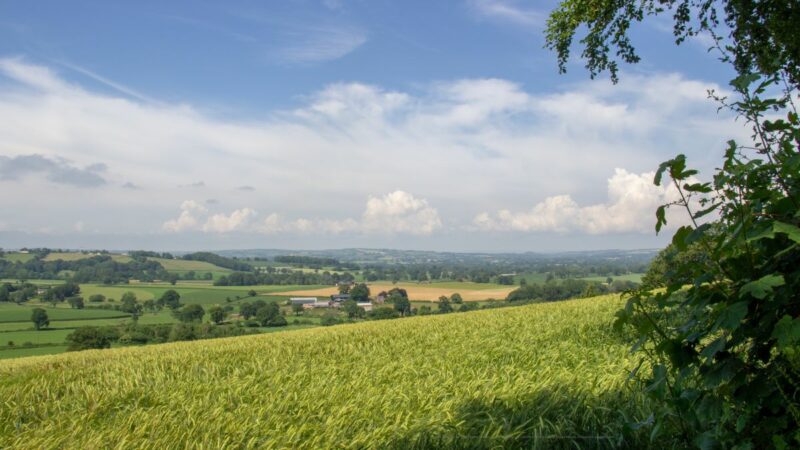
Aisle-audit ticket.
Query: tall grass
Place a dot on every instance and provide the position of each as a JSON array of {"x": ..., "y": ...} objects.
[{"x": 540, "y": 376}]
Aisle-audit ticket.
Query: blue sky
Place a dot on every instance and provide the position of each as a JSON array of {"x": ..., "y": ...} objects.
[{"x": 325, "y": 124}]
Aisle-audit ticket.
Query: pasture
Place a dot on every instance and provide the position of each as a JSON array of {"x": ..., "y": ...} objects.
[
  {"x": 541, "y": 376},
  {"x": 76, "y": 256}
]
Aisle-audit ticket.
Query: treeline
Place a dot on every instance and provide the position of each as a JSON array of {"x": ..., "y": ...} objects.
[
  {"x": 101, "y": 268},
  {"x": 295, "y": 277},
  {"x": 221, "y": 261},
  {"x": 566, "y": 289},
  {"x": 310, "y": 261}
]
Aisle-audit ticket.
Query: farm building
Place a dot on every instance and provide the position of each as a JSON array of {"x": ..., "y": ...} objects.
[
  {"x": 339, "y": 298},
  {"x": 302, "y": 300},
  {"x": 366, "y": 305}
]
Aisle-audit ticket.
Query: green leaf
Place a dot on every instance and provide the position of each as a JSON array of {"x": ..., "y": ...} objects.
[
  {"x": 715, "y": 346},
  {"x": 679, "y": 239},
  {"x": 661, "y": 218},
  {"x": 732, "y": 315},
  {"x": 762, "y": 287},
  {"x": 787, "y": 331},
  {"x": 789, "y": 230}
]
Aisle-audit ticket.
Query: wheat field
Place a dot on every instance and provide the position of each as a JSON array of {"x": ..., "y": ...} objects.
[{"x": 538, "y": 376}]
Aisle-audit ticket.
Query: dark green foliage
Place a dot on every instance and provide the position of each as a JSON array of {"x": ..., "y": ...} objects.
[
  {"x": 329, "y": 319},
  {"x": 456, "y": 298},
  {"x": 76, "y": 302},
  {"x": 87, "y": 338},
  {"x": 444, "y": 305},
  {"x": 763, "y": 33},
  {"x": 353, "y": 311},
  {"x": 101, "y": 269},
  {"x": 39, "y": 318},
  {"x": 382, "y": 313},
  {"x": 277, "y": 321},
  {"x": 217, "y": 314},
  {"x": 97, "y": 298},
  {"x": 170, "y": 299},
  {"x": 401, "y": 303},
  {"x": 190, "y": 313},
  {"x": 468, "y": 307},
  {"x": 723, "y": 336},
  {"x": 267, "y": 312},
  {"x": 360, "y": 293}
]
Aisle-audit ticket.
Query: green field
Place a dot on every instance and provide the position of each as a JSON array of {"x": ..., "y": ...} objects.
[
  {"x": 75, "y": 256},
  {"x": 32, "y": 351},
  {"x": 18, "y": 257},
  {"x": 635, "y": 277},
  {"x": 183, "y": 266},
  {"x": 10, "y": 312},
  {"x": 548, "y": 375}
]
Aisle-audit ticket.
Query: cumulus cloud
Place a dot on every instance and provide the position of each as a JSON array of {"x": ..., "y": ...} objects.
[
  {"x": 632, "y": 201},
  {"x": 237, "y": 220},
  {"x": 188, "y": 219},
  {"x": 55, "y": 169},
  {"x": 397, "y": 212}
]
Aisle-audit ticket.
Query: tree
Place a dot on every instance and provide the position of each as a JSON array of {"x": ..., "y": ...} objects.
[
  {"x": 343, "y": 288},
  {"x": 297, "y": 308},
  {"x": 720, "y": 351},
  {"x": 456, "y": 298},
  {"x": 277, "y": 321},
  {"x": 444, "y": 305},
  {"x": 130, "y": 305},
  {"x": 75, "y": 302},
  {"x": 39, "y": 318},
  {"x": 424, "y": 310},
  {"x": 401, "y": 304},
  {"x": 170, "y": 299},
  {"x": 86, "y": 338},
  {"x": 352, "y": 309},
  {"x": 247, "y": 310},
  {"x": 267, "y": 312},
  {"x": 360, "y": 293},
  {"x": 217, "y": 314},
  {"x": 97, "y": 298},
  {"x": 252, "y": 293},
  {"x": 190, "y": 313}
]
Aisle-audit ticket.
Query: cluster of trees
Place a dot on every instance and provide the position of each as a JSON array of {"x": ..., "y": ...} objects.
[
  {"x": 564, "y": 289},
  {"x": 99, "y": 268},
  {"x": 17, "y": 292},
  {"x": 91, "y": 337},
  {"x": 263, "y": 313},
  {"x": 285, "y": 277},
  {"x": 310, "y": 261}
]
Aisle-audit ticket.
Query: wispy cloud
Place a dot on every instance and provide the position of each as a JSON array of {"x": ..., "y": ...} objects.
[
  {"x": 508, "y": 11},
  {"x": 308, "y": 45},
  {"x": 108, "y": 82}
]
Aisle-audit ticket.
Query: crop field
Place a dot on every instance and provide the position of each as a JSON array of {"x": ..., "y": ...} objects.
[
  {"x": 18, "y": 257},
  {"x": 75, "y": 256},
  {"x": 10, "y": 312},
  {"x": 547, "y": 375},
  {"x": 182, "y": 266},
  {"x": 424, "y": 292}
]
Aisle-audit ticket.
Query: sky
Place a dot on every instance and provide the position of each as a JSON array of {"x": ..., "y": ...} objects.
[{"x": 317, "y": 124}]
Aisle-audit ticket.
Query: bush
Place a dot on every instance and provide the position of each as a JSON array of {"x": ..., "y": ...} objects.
[{"x": 277, "y": 321}]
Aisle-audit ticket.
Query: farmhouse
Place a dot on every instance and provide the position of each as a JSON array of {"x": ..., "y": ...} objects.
[{"x": 366, "y": 305}]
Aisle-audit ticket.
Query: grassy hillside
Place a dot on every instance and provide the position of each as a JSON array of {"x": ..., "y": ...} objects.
[
  {"x": 183, "y": 266},
  {"x": 547, "y": 375}
]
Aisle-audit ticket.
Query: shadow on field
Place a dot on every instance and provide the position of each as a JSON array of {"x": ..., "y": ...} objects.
[{"x": 549, "y": 419}]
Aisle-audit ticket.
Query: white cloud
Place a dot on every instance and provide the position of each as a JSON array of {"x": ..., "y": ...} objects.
[
  {"x": 465, "y": 146},
  {"x": 308, "y": 45},
  {"x": 396, "y": 212},
  {"x": 630, "y": 207},
  {"x": 187, "y": 220},
  {"x": 237, "y": 220},
  {"x": 508, "y": 11}
]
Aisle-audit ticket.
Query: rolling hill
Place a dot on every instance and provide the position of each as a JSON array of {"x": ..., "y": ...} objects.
[{"x": 547, "y": 375}]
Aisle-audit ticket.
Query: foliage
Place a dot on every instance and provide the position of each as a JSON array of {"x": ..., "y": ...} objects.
[
  {"x": 266, "y": 313},
  {"x": 190, "y": 313},
  {"x": 86, "y": 338},
  {"x": 170, "y": 299},
  {"x": 217, "y": 260},
  {"x": 360, "y": 293},
  {"x": 466, "y": 382},
  {"x": 217, "y": 314},
  {"x": 39, "y": 318},
  {"x": 763, "y": 33}
]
